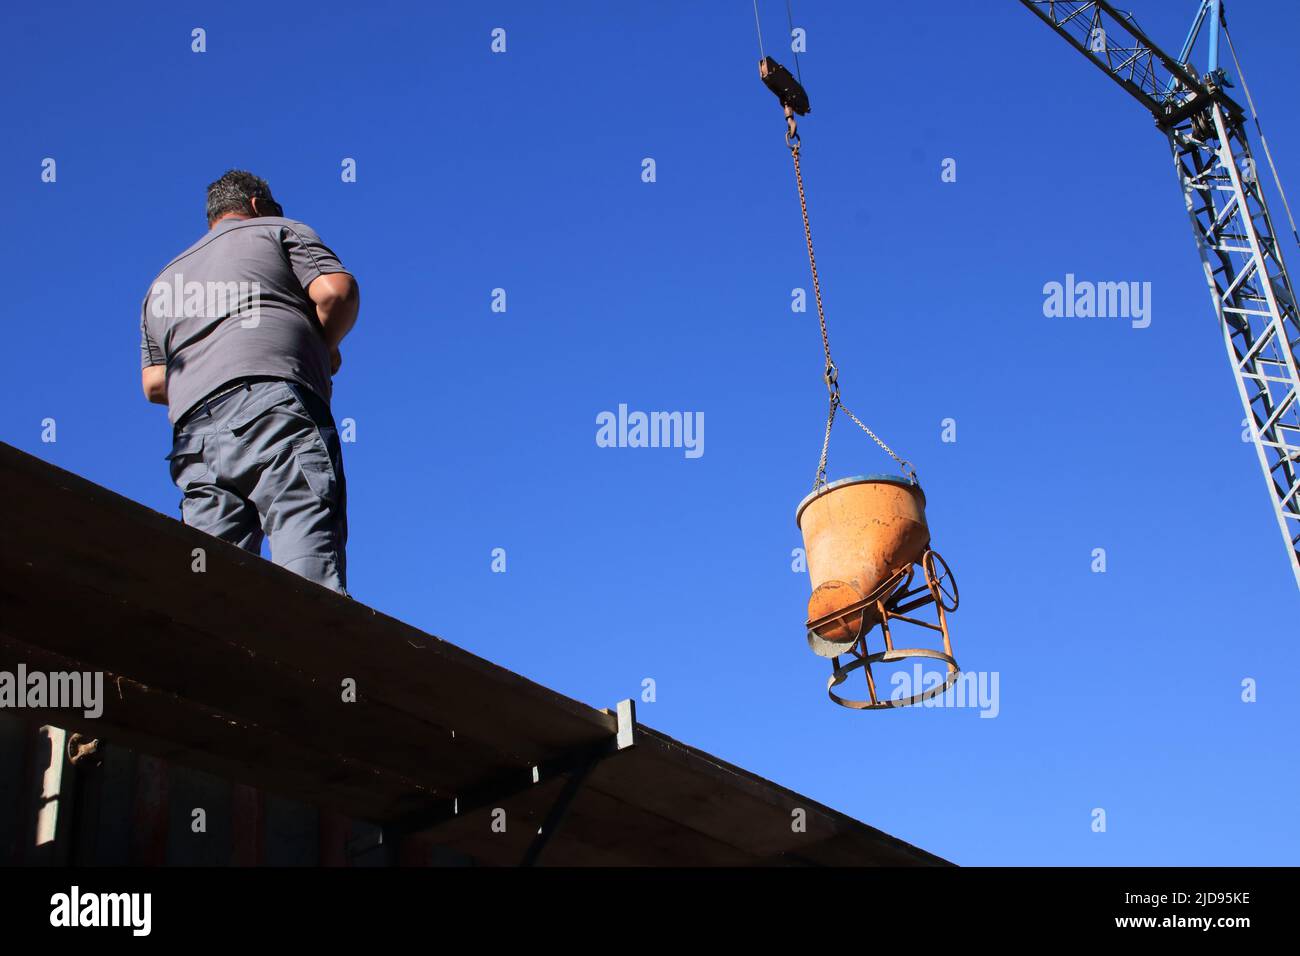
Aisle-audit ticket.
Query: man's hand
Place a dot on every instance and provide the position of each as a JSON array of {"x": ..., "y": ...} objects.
[
  {"x": 153, "y": 379},
  {"x": 337, "y": 300},
  {"x": 336, "y": 361}
]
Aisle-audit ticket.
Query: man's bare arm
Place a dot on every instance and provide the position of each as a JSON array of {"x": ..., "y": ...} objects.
[
  {"x": 337, "y": 299},
  {"x": 153, "y": 379}
]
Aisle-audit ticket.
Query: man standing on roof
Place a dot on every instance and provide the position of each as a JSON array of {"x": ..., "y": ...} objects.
[{"x": 239, "y": 338}]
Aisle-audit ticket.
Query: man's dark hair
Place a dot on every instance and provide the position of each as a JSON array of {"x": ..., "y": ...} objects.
[{"x": 234, "y": 192}]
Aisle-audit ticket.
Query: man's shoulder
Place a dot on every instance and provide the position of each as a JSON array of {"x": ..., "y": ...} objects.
[
  {"x": 277, "y": 225},
  {"x": 166, "y": 273},
  {"x": 210, "y": 241},
  {"x": 194, "y": 247},
  {"x": 282, "y": 222}
]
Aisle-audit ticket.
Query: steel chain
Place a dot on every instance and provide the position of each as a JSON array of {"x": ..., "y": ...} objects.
[{"x": 831, "y": 374}]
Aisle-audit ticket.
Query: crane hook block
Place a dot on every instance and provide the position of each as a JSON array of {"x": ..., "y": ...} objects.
[{"x": 781, "y": 82}]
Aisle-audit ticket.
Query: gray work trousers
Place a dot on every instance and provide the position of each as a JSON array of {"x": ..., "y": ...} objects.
[{"x": 265, "y": 459}]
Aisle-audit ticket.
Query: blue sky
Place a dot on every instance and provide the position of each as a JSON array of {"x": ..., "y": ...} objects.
[{"x": 476, "y": 430}]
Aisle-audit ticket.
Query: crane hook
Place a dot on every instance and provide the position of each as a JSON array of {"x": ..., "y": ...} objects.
[{"x": 793, "y": 97}]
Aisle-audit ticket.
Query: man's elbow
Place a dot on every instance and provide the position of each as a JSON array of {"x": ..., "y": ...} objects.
[
  {"x": 338, "y": 299},
  {"x": 153, "y": 382},
  {"x": 335, "y": 291}
]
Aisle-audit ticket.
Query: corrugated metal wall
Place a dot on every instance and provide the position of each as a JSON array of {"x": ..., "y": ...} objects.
[{"x": 118, "y": 807}]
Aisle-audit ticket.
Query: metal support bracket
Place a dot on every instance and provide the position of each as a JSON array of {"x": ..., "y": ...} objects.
[
  {"x": 576, "y": 765},
  {"x": 625, "y": 737}
]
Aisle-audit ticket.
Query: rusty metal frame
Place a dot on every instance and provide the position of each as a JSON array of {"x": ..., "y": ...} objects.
[{"x": 893, "y": 600}]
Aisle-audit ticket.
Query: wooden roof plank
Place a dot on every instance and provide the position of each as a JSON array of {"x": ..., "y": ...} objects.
[
  {"x": 727, "y": 802},
  {"x": 157, "y": 722},
  {"x": 274, "y": 613},
  {"x": 159, "y": 652}
]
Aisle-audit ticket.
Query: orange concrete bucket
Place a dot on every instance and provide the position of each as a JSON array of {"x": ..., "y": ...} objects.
[{"x": 859, "y": 534}]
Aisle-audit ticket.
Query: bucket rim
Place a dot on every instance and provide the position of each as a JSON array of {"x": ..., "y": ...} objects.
[{"x": 855, "y": 480}]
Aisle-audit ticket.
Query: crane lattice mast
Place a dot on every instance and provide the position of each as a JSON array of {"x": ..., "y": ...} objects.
[{"x": 1249, "y": 285}]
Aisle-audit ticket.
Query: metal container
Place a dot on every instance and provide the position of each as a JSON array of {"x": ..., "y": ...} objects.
[{"x": 858, "y": 534}]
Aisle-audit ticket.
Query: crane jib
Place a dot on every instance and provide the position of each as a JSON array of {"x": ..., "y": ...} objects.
[{"x": 1115, "y": 44}]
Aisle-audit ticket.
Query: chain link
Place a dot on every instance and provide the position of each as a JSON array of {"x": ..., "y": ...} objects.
[
  {"x": 812, "y": 256},
  {"x": 826, "y": 445},
  {"x": 903, "y": 463},
  {"x": 831, "y": 374}
]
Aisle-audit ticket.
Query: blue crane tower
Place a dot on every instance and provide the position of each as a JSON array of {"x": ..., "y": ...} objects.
[{"x": 1252, "y": 293}]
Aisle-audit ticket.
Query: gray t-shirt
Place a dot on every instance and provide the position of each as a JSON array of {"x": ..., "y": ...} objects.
[{"x": 234, "y": 304}]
